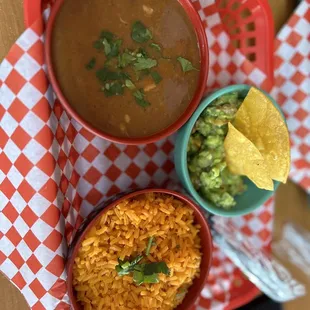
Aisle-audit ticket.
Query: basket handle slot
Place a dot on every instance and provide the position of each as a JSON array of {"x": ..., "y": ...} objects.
[{"x": 250, "y": 26}]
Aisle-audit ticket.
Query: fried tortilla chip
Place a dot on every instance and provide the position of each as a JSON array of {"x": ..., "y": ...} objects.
[
  {"x": 243, "y": 158},
  {"x": 262, "y": 123}
]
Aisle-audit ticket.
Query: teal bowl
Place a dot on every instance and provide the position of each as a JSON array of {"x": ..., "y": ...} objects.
[{"x": 248, "y": 201}]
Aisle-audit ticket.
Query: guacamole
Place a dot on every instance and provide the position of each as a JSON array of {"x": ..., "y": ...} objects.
[{"x": 206, "y": 156}]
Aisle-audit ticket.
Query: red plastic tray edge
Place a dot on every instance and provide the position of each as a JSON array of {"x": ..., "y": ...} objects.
[{"x": 243, "y": 299}]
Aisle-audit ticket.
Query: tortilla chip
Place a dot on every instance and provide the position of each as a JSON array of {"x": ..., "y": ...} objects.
[
  {"x": 243, "y": 158},
  {"x": 261, "y": 122}
]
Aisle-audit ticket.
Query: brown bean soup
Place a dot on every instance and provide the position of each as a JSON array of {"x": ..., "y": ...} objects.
[{"x": 128, "y": 67}]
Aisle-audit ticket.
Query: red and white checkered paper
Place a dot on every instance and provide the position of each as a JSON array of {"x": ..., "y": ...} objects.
[
  {"x": 53, "y": 171},
  {"x": 292, "y": 88}
]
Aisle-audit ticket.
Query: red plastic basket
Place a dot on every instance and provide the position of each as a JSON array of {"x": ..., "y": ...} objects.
[{"x": 250, "y": 26}]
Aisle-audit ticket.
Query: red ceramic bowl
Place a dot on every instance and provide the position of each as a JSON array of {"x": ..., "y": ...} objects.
[
  {"x": 204, "y": 56},
  {"x": 205, "y": 235}
]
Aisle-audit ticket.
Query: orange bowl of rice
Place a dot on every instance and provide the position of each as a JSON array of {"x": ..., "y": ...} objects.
[{"x": 149, "y": 249}]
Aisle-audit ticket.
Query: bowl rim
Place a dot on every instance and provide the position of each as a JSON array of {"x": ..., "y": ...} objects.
[
  {"x": 80, "y": 237},
  {"x": 208, "y": 206},
  {"x": 200, "y": 90}
]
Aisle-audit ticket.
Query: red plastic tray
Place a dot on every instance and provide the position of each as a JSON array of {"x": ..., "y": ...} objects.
[
  {"x": 246, "y": 22},
  {"x": 260, "y": 53}
]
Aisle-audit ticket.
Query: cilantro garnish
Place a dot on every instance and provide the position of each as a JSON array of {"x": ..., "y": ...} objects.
[
  {"x": 125, "y": 59},
  {"x": 145, "y": 63},
  {"x": 149, "y": 245},
  {"x": 105, "y": 74},
  {"x": 108, "y": 44},
  {"x": 140, "y": 33},
  {"x": 113, "y": 77},
  {"x": 130, "y": 85},
  {"x": 156, "y": 77},
  {"x": 97, "y": 45},
  {"x": 144, "y": 272},
  {"x": 186, "y": 64},
  {"x": 139, "y": 96},
  {"x": 113, "y": 89},
  {"x": 155, "y": 46},
  {"x": 109, "y": 36},
  {"x": 91, "y": 64},
  {"x": 115, "y": 46},
  {"x": 107, "y": 47}
]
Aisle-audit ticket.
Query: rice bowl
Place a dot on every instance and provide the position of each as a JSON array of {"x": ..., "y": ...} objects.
[{"x": 161, "y": 230}]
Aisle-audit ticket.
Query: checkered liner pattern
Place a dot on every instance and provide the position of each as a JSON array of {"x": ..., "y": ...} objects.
[
  {"x": 53, "y": 171},
  {"x": 292, "y": 88}
]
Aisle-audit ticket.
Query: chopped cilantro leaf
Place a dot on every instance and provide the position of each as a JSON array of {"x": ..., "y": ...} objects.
[
  {"x": 125, "y": 59},
  {"x": 109, "y": 36},
  {"x": 149, "y": 245},
  {"x": 145, "y": 63},
  {"x": 136, "y": 260},
  {"x": 121, "y": 271},
  {"x": 142, "y": 52},
  {"x": 142, "y": 273},
  {"x": 156, "y": 77},
  {"x": 155, "y": 46},
  {"x": 125, "y": 267},
  {"x": 108, "y": 63},
  {"x": 114, "y": 89},
  {"x": 115, "y": 46},
  {"x": 152, "y": 268},
  {"x": 139, "y": 96},
  {"x": 130, "y": 85},
  {"x": 152, "y": 278},
  {"x": 91, "y": 64},
  {"x": 106, "y": 75},
  {"x": 107, "y": 47},
  {"x": 98, "y": 45},
  {"x": 140, "y": 33},
  {"x": 138, "y": 277},
  {"x": 186, "y": 64},
  {"x": 106, "y": 42}
]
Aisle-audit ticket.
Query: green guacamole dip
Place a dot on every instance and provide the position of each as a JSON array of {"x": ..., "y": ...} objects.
[{"x": 206, "y": 156}]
